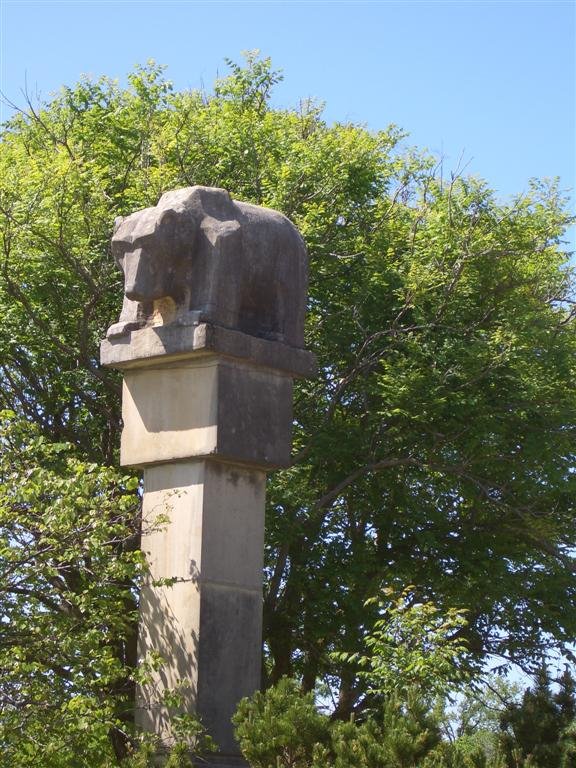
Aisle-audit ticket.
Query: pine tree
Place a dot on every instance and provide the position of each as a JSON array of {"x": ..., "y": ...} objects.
[{"x": 539, "y": 732}]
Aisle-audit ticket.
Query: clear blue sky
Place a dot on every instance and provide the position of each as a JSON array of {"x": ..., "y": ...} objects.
[{"x": 492, "y": 81}]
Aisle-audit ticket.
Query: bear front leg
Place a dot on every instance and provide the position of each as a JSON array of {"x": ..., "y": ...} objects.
[{"x": 132, "y": 317}]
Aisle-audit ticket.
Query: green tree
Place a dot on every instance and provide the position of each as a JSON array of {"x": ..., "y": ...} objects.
[
  {"x": 538, "y": 732},
  {"x": 282, "y": 728},
  {"x": 69, "y": 562},
  {"x": 411, "y": 646},
  {"x": 436, "y": 446}
]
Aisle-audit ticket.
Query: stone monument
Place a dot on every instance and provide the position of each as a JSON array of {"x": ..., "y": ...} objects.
[{"x": 209, "y": 340}]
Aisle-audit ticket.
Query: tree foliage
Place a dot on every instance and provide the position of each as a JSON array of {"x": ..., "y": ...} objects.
[
  {"x": 538, "y": 732},
  {"x": 69, "y": 557},
  {"x": 411, "y": 646},
  {"x": 282, "y": 728},
  {"x": 436, "y": 446}
]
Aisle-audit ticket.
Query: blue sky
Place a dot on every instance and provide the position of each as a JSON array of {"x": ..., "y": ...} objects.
[{"x": 491, "y": 82}]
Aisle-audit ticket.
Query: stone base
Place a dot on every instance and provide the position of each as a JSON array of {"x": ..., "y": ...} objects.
[
  {"x": 207, "y": 412},
  {"x": 203, "y": 530},
  {"x": 205, "y": 391},
  {"x": 206, "y": 406},
  {"x": 163, "y": 344}
]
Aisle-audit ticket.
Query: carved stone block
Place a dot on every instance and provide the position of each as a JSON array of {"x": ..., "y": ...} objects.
[{"x": 199, "y": 256}]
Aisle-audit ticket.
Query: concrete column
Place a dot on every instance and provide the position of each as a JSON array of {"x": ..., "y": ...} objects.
[
  {"x": 208, "y": 624},
  {"x": 207, "y": 412}
]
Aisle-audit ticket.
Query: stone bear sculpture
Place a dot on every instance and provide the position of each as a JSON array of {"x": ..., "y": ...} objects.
[{"x": 199, "y": 256}]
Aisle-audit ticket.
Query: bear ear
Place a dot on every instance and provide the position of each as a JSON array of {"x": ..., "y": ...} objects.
[{"x": 117, "y": 222}]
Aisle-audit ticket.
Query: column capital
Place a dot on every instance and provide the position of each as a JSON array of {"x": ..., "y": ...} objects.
[
  {"x": 205, "y": 392},
  {"x": 175, "y": 342}
]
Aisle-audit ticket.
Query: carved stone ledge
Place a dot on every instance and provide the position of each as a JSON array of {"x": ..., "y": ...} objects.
[{"x": 163, "y": 344}]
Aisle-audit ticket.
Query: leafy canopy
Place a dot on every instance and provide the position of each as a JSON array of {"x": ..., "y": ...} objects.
[
  {"x": 68, "y": 534},
  {"x": 435, "y": 448}
]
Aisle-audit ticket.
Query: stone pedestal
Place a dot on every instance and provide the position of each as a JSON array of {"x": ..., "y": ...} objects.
[
  {"x": 207, "y": 625},
  {"x": 207, "y": 412}
]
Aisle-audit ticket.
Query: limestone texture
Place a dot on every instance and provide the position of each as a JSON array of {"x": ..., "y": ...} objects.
[
  {"x": 200, "y": 256},
  {"x": 209, "y": 341},
  {"x": 203, "y": 529}
]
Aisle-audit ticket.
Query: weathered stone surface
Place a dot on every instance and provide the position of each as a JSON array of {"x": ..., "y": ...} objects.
[
  {"x": 200, "y": 255},
  {"x": 229, "y": 656},
  {"x": 206, "y": 406},
  {"x": 167, "y": 343},
  {"x": 209, "y": 340},
  {"x": 203, "y": 525}
]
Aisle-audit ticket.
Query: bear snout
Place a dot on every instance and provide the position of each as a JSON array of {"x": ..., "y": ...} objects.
[{"x": 142, "y": 278}]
